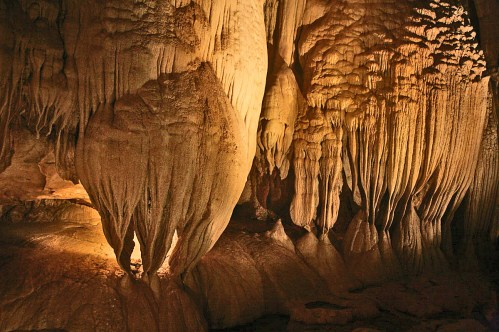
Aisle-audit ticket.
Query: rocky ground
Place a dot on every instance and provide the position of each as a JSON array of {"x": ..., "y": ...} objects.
[{"x": 59, "y": 274}]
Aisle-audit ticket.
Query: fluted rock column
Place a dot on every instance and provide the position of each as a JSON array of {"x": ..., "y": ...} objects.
[{"x": 171, "y": 154}]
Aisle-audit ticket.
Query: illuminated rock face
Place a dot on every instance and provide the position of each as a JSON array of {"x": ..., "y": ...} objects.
[
  {"x": 374, "y": 125},
  {"x": 164, "y": 98},
  {"x": 396, "y": 104}
]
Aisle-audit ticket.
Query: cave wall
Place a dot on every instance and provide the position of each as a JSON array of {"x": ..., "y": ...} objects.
[
  {"x": 481, "y": 225},
  {"x": 152, "y": 105},
  {"x": 373, "y": 122},
  {"x": 394, "y": 110},
  {"x": 365, "y": 131}
]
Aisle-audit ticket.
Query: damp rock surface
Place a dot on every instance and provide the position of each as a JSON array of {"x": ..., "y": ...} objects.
[
  {"x": 246, "y": 276},
  {"x": 184, "y": 165}
]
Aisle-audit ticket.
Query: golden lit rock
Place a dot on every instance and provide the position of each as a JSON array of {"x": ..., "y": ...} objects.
[{"x": 187, "y": 165}]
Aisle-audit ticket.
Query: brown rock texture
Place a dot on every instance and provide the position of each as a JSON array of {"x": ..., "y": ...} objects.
[
  {"x": 362, "y": 135},
  {"x": 164, "y": 99},
  {"x": 70, "y": 281},
  {"x": 397, "y": 98}
]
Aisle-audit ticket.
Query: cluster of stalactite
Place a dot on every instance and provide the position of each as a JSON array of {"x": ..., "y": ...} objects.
[
  {"x": 480, "y": 224},
  {"x": 35, "y": 89},
  {"x": 378, "y": 107},
  {"x": 153, "y": 105},
  {"x": 395, "y": 107}
]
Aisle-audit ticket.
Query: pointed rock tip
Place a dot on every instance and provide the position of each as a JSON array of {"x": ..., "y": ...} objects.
[{"x": 279, "y": 234}]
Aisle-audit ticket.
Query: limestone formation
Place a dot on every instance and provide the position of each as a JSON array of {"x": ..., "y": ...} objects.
[
  {"x": 397, "y": 102},
  {"x": 180, "y": 165},
  {"x": 164, "y": 98}
]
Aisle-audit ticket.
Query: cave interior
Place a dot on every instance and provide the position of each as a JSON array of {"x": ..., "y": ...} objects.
[{"x": 249, "y": 165}]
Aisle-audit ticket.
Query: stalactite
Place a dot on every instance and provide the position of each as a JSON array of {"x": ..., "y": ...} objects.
[
  {"x": 163, "y": 99},
  {"x": 188, "y": 173},
  {"x": 307, "y": 153},
  {"x": 403, "y": 82},
  {"x": 330, "y": 180},
  {"x": 480, "y": 228},
  {"x": 282, "y": 105}
]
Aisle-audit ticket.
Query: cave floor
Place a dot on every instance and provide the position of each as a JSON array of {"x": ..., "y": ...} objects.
[
  {"x": 447, "y": 321},
  {"x": 63, "y": 276}
]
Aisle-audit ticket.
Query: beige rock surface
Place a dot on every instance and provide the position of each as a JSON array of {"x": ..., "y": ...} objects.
[
  {"x": 397, "y": 100},
  {"x": 374, "y": 126},
  {"x": 164, "y": 98}
]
